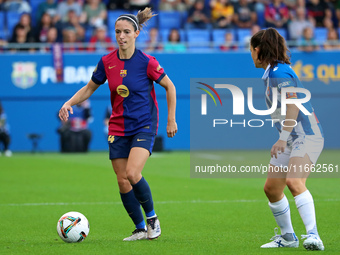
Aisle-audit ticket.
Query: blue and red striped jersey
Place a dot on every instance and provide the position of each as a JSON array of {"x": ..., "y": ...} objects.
[{"x": 133, "y": 97}]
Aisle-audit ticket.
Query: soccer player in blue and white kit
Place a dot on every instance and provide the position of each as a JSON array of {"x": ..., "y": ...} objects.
[
  {"x": 134, "y": 120},
  {"x": 298, "y": 147}
]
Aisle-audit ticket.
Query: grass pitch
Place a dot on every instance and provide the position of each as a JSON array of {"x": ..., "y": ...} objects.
[{"x": 198, "y": 216}]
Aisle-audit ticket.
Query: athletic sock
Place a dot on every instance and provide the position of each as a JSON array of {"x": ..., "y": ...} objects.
[
  {"x": 143, "y": 194},
  {"x": 305, "y": 204},
  {"x": 281, "y": 212},
  {"x": 132, "y": 207}
]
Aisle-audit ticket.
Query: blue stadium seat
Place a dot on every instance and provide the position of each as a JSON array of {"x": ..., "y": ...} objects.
[
  {"x": 88, "y": 34},
  {"x": 34, "y": 5},
  {"x": 169, "y": 19},
  {"x": 218, "y": 36},
  {"x": 242, "y": 35},
  {"x": 282, "y": 32},
  {"x": 112, "y": 16},
  {"x": 165, "y": 35},
  {"x": 198, "y": 38},
  {"x": 3, "y": 31},
  {"x": 12, "y": 18},
  {"x": 320, "y": 34}
]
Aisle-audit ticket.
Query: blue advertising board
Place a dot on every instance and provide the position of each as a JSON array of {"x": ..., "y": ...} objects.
[{"x": 32, "y": 98}]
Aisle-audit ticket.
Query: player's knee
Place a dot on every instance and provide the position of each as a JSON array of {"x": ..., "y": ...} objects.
[
  {"x": 270, "y": 190},
  {"x": 295, "y": 185},
  {"x": 132, "y": 176},
  {"x": 123, "y": 183}
]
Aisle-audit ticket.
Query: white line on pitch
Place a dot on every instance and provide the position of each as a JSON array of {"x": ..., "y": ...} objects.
[{"x": 157, "y": 202}]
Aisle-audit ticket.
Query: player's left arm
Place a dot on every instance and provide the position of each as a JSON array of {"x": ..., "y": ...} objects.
[{"x": 170, "y": 89}]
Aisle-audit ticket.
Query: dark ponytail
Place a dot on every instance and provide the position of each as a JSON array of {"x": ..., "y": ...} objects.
[{"x": 272, "y": 46}]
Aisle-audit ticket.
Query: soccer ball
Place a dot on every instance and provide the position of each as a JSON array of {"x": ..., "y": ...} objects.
[{"x": 73, "y": 227}]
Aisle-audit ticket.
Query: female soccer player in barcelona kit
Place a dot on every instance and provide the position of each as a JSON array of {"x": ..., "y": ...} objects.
[
  {"x": 134, "y": 120},
  {"x": 299, "y": 146}
]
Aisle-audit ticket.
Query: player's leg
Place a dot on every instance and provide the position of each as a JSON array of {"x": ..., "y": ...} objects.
[
  {"x": 296, "y": 182},
  {"x": 137, "y": 159},
  {"x": 279, "y": 205},
  {"x": 129, "y": 200},
  {"x": 278, "y": 202}
]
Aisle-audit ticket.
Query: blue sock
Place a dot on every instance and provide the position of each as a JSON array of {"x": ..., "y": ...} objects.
[
  {"x": 143, "y": 194},
  {"x": 132, "y": 207}
]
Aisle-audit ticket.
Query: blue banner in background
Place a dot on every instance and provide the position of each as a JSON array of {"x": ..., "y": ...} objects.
[{"x": 32, "y": 97}]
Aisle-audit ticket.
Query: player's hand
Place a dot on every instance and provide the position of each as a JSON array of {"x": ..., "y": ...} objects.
[
  {"x": 171, "y": 128},
  {"x": 278, "y": 147},
  {"x": 63, "y": 112}
]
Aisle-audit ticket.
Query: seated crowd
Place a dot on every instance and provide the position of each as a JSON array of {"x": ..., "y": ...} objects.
[{"x": 75, "y": 22}]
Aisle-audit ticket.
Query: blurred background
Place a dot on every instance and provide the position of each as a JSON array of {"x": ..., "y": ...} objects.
[{"x": 49, "y": 49}]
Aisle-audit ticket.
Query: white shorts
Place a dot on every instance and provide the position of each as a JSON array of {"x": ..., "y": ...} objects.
[{"x": 311, "y": 145}]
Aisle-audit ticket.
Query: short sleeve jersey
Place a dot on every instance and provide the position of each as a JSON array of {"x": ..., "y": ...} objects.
[
  {"x": 283, "y": 76},
  {"x": 133, "y": 97}
]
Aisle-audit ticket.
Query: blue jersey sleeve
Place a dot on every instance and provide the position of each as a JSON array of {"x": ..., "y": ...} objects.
[
  {"x": 280, "y": 77},
  {"x": 99, "y": 75}
]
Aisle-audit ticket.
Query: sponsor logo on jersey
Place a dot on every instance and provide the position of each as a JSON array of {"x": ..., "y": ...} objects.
[
  {"x": 123, "y": 73},
  {"x": 123, "y": 91},
  {"x": 24, "y": 74}
]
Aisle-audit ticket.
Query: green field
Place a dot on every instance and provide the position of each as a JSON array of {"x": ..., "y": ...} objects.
[{"x": 198, "y": 216}]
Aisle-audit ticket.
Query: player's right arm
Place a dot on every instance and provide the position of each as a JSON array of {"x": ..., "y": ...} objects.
[
  {"x": 81, "y": 95},
  {"x": 98, "y": 78}
]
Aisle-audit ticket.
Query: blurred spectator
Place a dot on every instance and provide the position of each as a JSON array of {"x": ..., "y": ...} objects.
[
  {"x": 222, "y": 12},
  {"x": 108, "y": 112},
  {"x": 44, "y": 25},
  {"x": 319, "y": 10},
  {"x": 4, "y": 133},
  {"x": 245, "y": 15},
  {"x": 276, "y": 14},
  {"x": 75, "y": 135},
  {"x": 50, "y": 7},
  {"x": 100, "y": 41},
  {"x": 174, "y": 43},
  {"x": 153, "y": 43},
  {"x": 229, "y": 43},
  {"x": 332, "y": 42},
  {"x": 337, "y": 12},
  {"x": 136, "y": 5},
  {"x": 94, "y": 13},
  {"x": 19, "y": 6},
  {"x": 198, "y": 16},
  {"x": 74, "y": 23},
  {"x": 307, "y": 42},
  {"x": 63, "y": 9},
  {"x": 25, "y": 21},
  {"x": 52, "y": 36},
  {"x": 2, "y": 5},
  {"x": 20, "y": 37},
  {"x": 70, "y": 38},
  {"x": 299, "y": 22},
  {"x": 118, "y": 5},
  {"x": 254, "y": 29},
  {"x": 172, "y": 5}
]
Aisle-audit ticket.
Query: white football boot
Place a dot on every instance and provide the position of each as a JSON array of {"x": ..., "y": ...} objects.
[
  {"x": 280, "y": 242},
  {"x": 312, "y": 243},
  {"x": 8, "y": 153},
  {"x": 154, "y": 227},
  {"x": 137, "y": 234}
]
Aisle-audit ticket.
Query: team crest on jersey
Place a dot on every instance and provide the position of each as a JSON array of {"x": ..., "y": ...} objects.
[
  {"x": 24, "y": 74},
  {"x": 123, "y": 91},
  {"x": 123, "y": 73}
]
